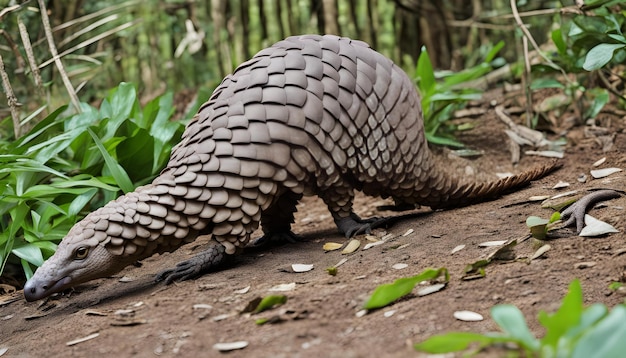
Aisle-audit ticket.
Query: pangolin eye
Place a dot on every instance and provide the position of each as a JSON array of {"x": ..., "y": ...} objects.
[{"x": 81, "y": 253}]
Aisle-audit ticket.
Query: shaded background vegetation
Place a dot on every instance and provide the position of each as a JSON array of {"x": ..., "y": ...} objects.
[{"x": 103, "y": 43}]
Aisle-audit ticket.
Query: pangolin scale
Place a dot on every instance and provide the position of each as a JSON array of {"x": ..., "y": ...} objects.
[{"x": 312, "y": 114}]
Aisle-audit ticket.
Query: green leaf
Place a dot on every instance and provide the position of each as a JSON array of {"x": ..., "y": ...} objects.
[
  {"x": 512, "y": 322},
  {"x": 453, "y": 342},
  {"x": 556, "y": 216},
  {"x": 121, "y": 103},
  {"x": 270, "y": 301},
  {"x": 600, "y": 55},
  {"x": 29, "y": 252},
  {"x": 385, "y": 294},
  {"x": 81, "y": 201},
  {"x": 118, "y": 173},
  {"x": 568, "y": 315},
  {"x": 425, "y": 74},
  {"x": 538, "y": 226},
  {"x": 540, "y": 83},
  {"x": 606, "y": 339},
  {"x": 599, "y": 98},
  {"x": 494, "y": 51},
  {"x": 535, "y": 221},
  {"x": 557, "y": 38}
]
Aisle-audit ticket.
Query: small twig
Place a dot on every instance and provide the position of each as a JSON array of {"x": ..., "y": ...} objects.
[
  {"x": 11, "y": 100},
  {"x": 31, "y": 58},
  {"x": 529, "y": 36},
  {"x": 526, "y": 80},
  {"x": 90, "y": 41},
  {"x": 57, "y": 60},
  {"x": 16, "y": 51},
  {"x": 607, "y": 84}
]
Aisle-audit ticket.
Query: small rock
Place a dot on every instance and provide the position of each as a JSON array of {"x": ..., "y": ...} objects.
[
  {"x": 468, "y": 316},
  {"x": 230, "y": 346}
]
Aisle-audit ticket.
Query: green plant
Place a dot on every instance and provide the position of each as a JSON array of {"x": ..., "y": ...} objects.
[
  {"x": 589, "y": 41},
  {"x": 572, "y": 331},
  {"x": 67, "y": 166},
  {"x": 386, "y": 294},
  {"x": 442, "y": 93},
  {"x": 539, "y": 226}
]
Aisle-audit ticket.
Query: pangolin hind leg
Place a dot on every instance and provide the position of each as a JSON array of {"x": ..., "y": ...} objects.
[
  {"x": 339, "y": 199},
  {"x": 277, "y": 219}
]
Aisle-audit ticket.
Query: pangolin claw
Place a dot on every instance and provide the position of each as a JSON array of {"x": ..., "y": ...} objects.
[
  {"x": 575, "y": 213},
  {"x": 277, "y": 238},
  {"x": 354, "y": 225},
  {"x": 205, "y": 261}
]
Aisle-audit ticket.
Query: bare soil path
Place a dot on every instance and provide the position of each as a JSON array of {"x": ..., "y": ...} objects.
[{"x": 139, "y": 318}]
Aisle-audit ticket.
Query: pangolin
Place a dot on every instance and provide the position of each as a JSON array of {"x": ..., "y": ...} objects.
[{"x": 310, "y": 115}]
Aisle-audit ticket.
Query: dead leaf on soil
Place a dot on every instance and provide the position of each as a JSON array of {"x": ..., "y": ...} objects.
[
  {"x": 332, "y": 246},
  {"x": 457, "y": 249},
  {"x": 299, "y": 268},
  {"x": 602, "y": 173},
  {"x": 283, "y": 287},
  {"x": 230, "y": 346},
  {"x": 352, "y": 246},
  {"x": 595, "y": 227},
  {"x": 430, "y": 289},
  {"x": 83, "y": 339},
  {"x": 542, "y": 250}
]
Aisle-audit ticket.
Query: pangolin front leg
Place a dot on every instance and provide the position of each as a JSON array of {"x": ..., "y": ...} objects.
[{"x": 206, "y": 261}]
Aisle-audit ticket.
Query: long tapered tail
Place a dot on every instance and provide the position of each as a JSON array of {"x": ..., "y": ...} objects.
[{"x": 469, "y": 193}]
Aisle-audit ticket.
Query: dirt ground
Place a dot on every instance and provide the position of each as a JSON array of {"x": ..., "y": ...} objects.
[{"x": 129, "y": 315}]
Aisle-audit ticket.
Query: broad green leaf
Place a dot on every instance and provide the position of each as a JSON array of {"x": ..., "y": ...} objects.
[
  {"x": 494, "y": 51},
  {"x": 540, "y": 83},
  {"x": 118, "y": 173},
  {"x": 443, "y": 141},
  {"x": 600, "y": 97},
  {"x": 600, "y": 55},
  {"x": 122, "y": 103},
  {"x": 385, "y": 294},
  {"x": 607, "y": 339},
  {"x": 589, "y": 318},
  {"x": 81, "y": 201},
  {"x": 27, "y": 270},
  {"x": 557, "y": 38},
  {"x": 556, "y": 216},
  {"x": 535, "y": 221},
  {"x": 568, "y": 315},
  {"x": 40, "y": 128},
  {"x": 512, "y": 322},
  {"x": 425, "y": 74},
  {"x": 453, "y": 342},
  {"x": 29, "y": 252}
]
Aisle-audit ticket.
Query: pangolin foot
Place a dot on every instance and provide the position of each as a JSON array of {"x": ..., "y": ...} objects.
[
  {"x": 205, "y": 261},
  {"x": 280, "y": 237},
  {"x": 575, "y": 213},
  {"x": 354, "y": 225}
]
